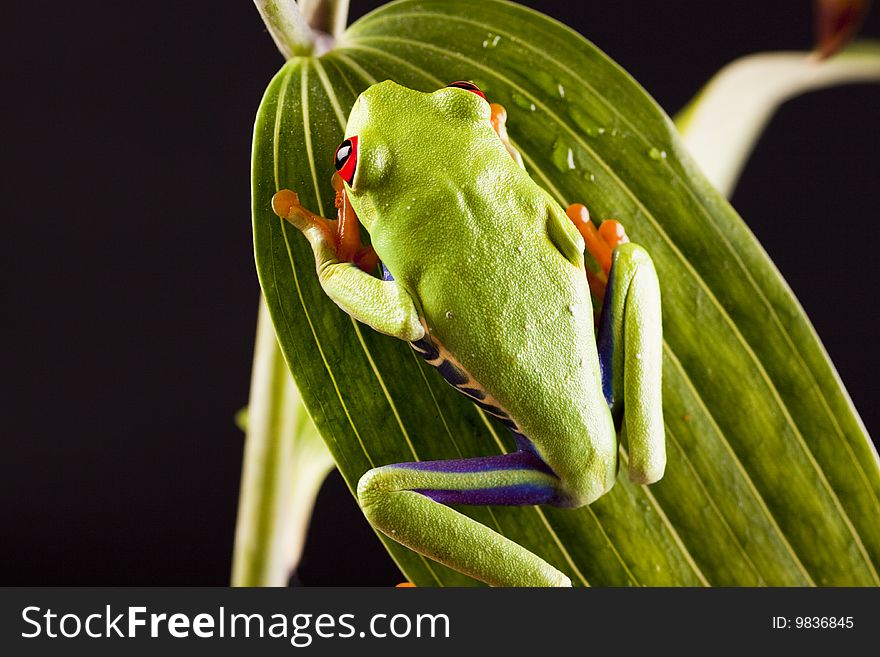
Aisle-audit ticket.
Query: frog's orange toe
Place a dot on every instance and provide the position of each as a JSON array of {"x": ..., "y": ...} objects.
[
  {"x": 612, "y": 233},
  {"x": 498, "y": 119},
  {"x": 593, "y": 241},
  {"x": 284, "y": 203},
  {"x": 405, "y": 585},
  {"x": 578, "y": 214}
]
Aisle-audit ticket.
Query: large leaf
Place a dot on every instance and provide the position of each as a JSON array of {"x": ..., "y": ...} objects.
[{"x": 771, "y": 477}]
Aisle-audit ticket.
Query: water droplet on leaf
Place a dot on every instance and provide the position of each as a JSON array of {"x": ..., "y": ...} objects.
[
  {"x": 590, "y": 125},
  {"x": 562, "y": 156},
  {"x": 490, "y": 41},
  {"x": 525, "y": 103}
]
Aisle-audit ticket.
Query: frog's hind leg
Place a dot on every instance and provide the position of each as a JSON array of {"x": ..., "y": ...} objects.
[
  {"x": 630, "y": 353},
  {"x": 408, "y": 503}
]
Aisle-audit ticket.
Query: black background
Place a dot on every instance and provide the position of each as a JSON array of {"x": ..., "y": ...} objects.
[{"x": 129, "y": 290}]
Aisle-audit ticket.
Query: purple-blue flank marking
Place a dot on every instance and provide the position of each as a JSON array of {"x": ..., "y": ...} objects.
[
  {"x": 515, "y": 461},
  {"x": 606, "y": 339},
  {"x": 516, "y": 495}
]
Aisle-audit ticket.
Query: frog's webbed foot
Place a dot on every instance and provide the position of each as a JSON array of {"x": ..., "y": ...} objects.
[
  {"x": 499, "y": 124},
  {"x": 343, "y": 267},
  {"x": 286, "y": 205},
  {"x": 341, "y": 236},
  {"x": 600, "y": 244}
]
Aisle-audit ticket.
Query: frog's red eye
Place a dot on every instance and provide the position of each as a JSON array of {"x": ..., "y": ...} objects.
[
  {"x": 346, "y": 158},
  {"x": 468, "y": 86}
]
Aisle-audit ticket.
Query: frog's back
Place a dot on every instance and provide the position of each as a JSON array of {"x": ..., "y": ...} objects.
[{"x": 511, "y": 318}]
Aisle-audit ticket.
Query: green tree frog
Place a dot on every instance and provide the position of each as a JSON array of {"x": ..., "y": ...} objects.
[{"x": 487, "y": 277}]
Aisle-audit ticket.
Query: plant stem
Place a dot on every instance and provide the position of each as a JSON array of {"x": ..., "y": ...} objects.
[
  {"x": 289, "y": 28},
  {"x": 307, "y": 27},
  {"x": 328, "y": 16},
  {"x": 723, "y": 122},
  {"x": 285, "y": 462},
  {"x": 285, "y": 459}
]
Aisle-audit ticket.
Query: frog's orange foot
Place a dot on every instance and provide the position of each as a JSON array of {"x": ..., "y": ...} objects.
[
  {"x": 405, "y": 585},
  {"x": 342, "y": 233},
  {"x": 286, "y": 205},
  {"x": 498, "y": 119},
  {"x": 612, "y": 233},
  {"x": 600, "y": 244}
]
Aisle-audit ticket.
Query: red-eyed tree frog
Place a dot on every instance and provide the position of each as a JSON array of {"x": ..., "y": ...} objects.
[{"x": 486, "y": 276}]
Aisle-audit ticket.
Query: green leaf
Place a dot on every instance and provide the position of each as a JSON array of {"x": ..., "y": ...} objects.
[
  {"x": 771, "y": 477},
  {"x": 743, "y": 96}
]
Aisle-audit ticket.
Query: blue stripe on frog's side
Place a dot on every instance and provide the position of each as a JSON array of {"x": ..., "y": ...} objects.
[
  {"x": 458, "y": 378},
  {"x": 516, "y": 461},
  {"x": 517, "y": 495},
  {"x": 453, "y": 374},
  {"x": 605, "y": 341},
  {"x": 436, "y": 355}
]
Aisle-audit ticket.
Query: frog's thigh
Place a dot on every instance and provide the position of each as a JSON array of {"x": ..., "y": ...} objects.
[
  {"x": 407, "y": 502},
  {"x": 631, "y": 353}
]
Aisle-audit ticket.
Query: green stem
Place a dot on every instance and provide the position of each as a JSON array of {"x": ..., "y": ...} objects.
[
  {"x": 285, "y": 462},
  {"x": 723, "y": 122},
  {"x": 328, "y": 16},
  {"x": 289, "y": 28},
  {"x": 304, "y": 28}
]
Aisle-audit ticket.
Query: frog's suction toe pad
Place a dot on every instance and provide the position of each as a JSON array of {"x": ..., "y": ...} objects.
[{"x": 284, "y": 203}]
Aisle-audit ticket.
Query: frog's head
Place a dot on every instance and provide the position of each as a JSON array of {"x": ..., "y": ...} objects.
[{"x": 398, "y": 140}]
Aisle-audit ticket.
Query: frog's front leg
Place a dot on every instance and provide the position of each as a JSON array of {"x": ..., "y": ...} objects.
[
  {"x": 631, "y": 353},
  {"x": 408, "y": 502},
  {"x": 384, "y": 305}
]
